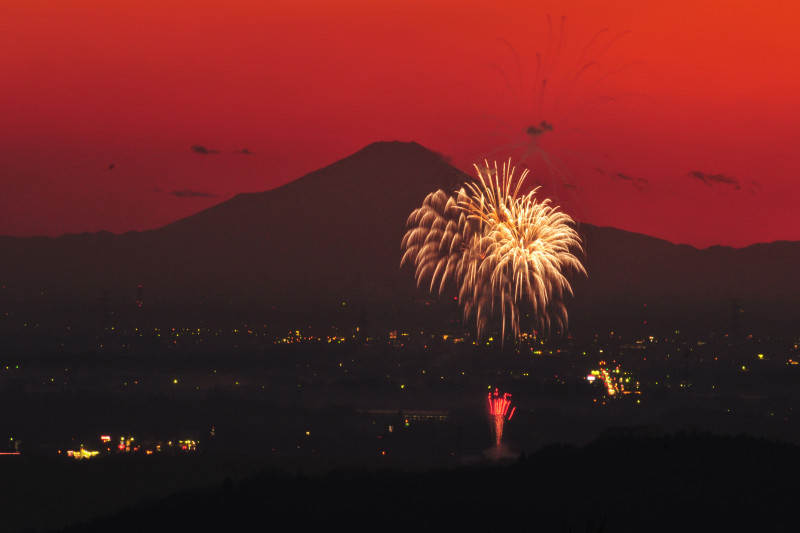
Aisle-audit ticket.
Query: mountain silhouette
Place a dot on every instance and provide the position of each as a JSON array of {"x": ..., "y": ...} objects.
[{"x": 332, "y": 238}]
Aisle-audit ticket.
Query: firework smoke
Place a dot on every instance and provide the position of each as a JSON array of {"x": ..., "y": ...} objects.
[
  {"x": 498, "y": 409},
  {"x": 503, "y": 249}
]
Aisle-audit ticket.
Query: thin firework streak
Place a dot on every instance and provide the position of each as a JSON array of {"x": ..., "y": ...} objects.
[{"x": 554, "y": 95}]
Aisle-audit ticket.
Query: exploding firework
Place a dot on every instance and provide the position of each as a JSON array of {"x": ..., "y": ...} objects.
[
  {"x": 498, "y": 410},
  {"x": 506, "y": 251}
]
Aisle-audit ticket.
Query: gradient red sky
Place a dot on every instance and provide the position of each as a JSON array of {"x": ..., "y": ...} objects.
[{"x": 669, "y": 88}]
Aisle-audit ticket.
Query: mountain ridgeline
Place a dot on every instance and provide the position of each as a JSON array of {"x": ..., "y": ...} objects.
[{"x": 330, "y": 240}]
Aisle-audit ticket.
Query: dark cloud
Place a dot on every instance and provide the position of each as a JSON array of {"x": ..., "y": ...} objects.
[
  {"x": 535, "y": 131},
  {"x": 199, "y": 149},
  {"x": 714, "y": 179},
  {"x": 639, "y": 183},
  {"x": 569, "y": 185},
  {"x": 111, "y": 166},
  {"x": 188, "y": 193},
  {"x": 244, "y": 151}
]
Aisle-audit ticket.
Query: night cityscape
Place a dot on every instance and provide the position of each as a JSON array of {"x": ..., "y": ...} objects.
[
  {"x": 257, "y": 272},
  {"x": 239, "y": 398}
]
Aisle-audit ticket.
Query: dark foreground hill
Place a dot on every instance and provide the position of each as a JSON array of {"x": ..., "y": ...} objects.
[
  {"x": 686, "y": 482},
  {"x": 331, "y": 239}
]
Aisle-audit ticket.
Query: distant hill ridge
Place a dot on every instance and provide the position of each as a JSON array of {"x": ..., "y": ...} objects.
[{"x": 334, "y": 235}]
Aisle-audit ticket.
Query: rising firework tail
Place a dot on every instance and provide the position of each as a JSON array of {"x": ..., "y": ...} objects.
[
  {"x": 498, "y": 409},
  {"x": 504, "y": 250}
]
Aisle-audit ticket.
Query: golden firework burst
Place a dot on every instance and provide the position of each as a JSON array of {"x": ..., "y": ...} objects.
[{"x": 505, "y": 250}]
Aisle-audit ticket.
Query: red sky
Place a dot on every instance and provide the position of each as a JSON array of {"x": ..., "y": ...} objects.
[{"x": 650, "y": 91}]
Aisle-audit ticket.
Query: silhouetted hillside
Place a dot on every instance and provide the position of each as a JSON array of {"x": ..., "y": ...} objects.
[
  {"x": 686, "y": 482},
  {"x": 684, "y": 286},
  {"x": 333, "y": 237}
]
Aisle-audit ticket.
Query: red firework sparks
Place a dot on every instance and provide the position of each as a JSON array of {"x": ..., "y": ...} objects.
[{"x": 498, "y": 409}]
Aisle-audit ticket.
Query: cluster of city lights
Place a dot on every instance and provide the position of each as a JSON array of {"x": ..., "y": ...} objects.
[
  {"x": 295, "y": 337},
  {"x": 615, "y": 384},
  {"x": 128, "y": 445}
]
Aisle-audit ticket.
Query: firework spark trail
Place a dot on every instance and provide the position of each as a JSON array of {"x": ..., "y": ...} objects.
[
  {"x": 503, "y": 249},
  {"x": 555, "y": 91},
  {"x": 498, "y": 408}
]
